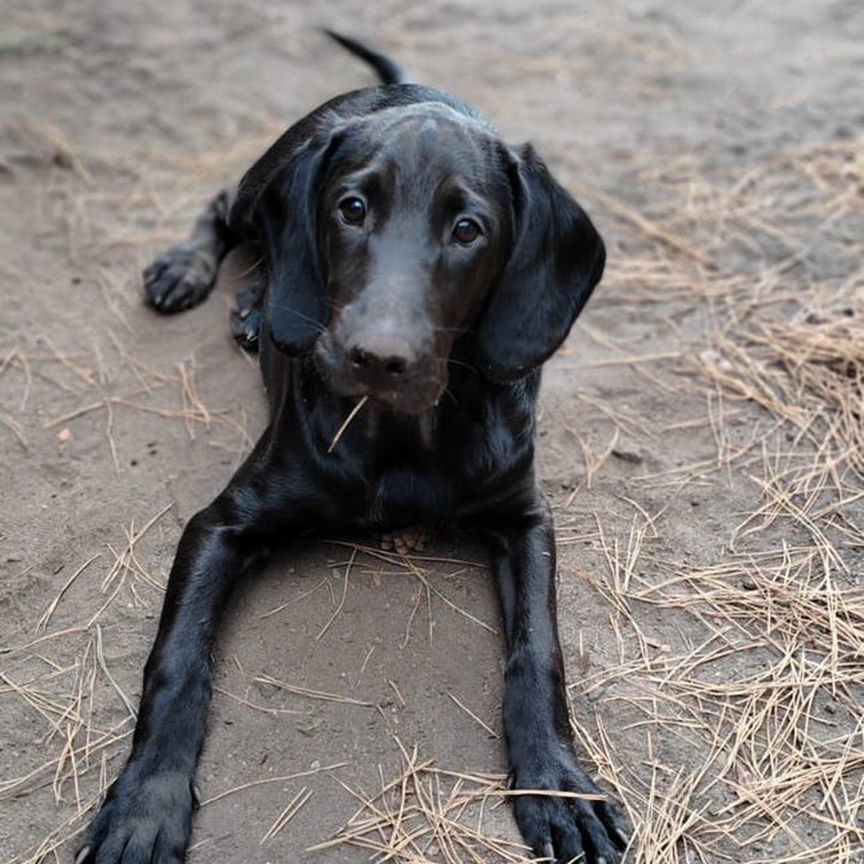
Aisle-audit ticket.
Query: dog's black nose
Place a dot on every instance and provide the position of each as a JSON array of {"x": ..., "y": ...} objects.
[{"x": 381, "y": 361}]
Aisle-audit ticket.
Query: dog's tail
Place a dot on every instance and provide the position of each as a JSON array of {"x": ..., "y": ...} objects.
[{"x": 388, "y": 71}]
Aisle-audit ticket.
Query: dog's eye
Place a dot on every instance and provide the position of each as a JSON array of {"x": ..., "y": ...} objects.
[
  {"x": 353, "y": 210},
  {"x": 466, "y": 231}
]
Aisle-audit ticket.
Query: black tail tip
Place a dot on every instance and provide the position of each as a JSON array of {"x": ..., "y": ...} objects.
[{"x": 388, "y": 71}]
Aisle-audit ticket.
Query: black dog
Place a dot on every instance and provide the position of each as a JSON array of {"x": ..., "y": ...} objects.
[{"x": 413, "y": 261}]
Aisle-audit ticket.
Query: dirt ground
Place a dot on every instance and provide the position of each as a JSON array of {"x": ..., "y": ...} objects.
[{"x": 701, "y": 434}]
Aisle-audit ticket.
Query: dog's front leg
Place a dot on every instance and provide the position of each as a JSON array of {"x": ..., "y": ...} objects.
[
  {"x": 536, "y": 718},
  {"x": 146, "y": 816}
]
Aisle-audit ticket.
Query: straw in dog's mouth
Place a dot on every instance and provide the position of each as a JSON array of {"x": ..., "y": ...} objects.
[{"x": 347, "y": 422}]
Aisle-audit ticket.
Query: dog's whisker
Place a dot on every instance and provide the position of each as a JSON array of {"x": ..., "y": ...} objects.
[
  {"x": 452, "y": 362},
  {"x": 284, "y": 307},
  {"x": 457, "y": 330}
]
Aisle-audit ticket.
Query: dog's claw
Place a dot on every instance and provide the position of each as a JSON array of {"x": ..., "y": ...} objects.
[
  {"x": 614, "y": 822},
  {"x": 245, "y": 326},
  {"x": 82, "y": 855}
]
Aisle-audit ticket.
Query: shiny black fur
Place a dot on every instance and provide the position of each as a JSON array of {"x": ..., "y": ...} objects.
[{"x": 465, "y": 457}]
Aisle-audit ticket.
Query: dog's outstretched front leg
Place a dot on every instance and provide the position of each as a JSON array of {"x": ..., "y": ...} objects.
[
  {"x": 536, "y": 718},
  {"x": 146, "y": 816},
  {"x": 183, "y": 276}
]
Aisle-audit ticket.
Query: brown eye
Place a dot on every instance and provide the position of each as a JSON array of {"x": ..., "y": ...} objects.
[
  {"x": 466, "y": 231},
  {"x": 353, "y": 210}
]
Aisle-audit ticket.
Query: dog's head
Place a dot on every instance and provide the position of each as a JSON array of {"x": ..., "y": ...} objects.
[{"x": 390, "y": 235}]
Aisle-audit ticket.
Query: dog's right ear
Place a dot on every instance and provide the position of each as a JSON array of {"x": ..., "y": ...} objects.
[{"x": 278, "y": 200}]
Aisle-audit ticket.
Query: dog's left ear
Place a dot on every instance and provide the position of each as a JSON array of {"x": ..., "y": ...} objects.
[{"x": 556, "y": 260}]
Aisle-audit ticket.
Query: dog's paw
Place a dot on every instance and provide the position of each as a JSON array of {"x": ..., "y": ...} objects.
[
  {"x": 180, "y": 278},
  {"x": 565, "y": 829},
  {"x": 246, "y": 318},
  {"x": 145, "y": 818}
]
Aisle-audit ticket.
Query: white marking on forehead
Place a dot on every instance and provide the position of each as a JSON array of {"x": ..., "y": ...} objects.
[
  {"x": 424, "y": 109},
  {"x": 427, "y": 137},
  {"x": 433, "y": 113}
]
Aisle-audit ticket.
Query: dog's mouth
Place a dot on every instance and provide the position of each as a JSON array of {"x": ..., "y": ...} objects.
[
  {"x": 407, "y": 392},
  {"x": 411, "y": 399}
]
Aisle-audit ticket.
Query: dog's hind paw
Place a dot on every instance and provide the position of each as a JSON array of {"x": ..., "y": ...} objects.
[
  {"x": 180, "y": 278},
  {"x": 246, "y": 318}
]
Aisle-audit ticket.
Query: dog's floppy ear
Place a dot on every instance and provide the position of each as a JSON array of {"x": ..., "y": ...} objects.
[
  {"x": 556, "y": 260},
  {"x": 281, "y": 206}
]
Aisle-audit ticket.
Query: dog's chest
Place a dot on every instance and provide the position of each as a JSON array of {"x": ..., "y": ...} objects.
[
  {"x": 449, "y": 485},
  {"x": 397, "y": 472},
  {"x": 400, "y": 497}
]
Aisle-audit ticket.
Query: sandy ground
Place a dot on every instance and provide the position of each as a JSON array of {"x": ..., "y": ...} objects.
[{"x": 709, "y": 504}]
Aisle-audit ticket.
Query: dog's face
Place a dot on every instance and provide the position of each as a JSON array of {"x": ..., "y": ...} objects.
[
  {"x": 399, "y": 231},
  {"x": 414, "y": 215}
]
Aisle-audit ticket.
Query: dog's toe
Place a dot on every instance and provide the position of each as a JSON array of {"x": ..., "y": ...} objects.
[
  {"x": 245, "y": 328},
  {"x": 145, "y": 818}
]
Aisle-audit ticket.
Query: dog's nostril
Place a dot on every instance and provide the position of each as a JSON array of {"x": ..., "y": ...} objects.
[
  {"x": 379, "y": 361},
  {"x": 395, "y": 365},
  {"x": 359, "y": 358}
]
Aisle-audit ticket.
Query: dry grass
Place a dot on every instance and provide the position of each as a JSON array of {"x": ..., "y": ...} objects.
[
  {"x": 66, "y": 686},
  {"x": 426, "y": 814},
  {"x": 766, "y": 708},
  {"x": 752, "y": 737},
  {"x": 82, "y": 748}
]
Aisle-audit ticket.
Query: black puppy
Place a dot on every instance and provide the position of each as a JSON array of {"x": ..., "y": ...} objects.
[{"x": 414, "y": 262}]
